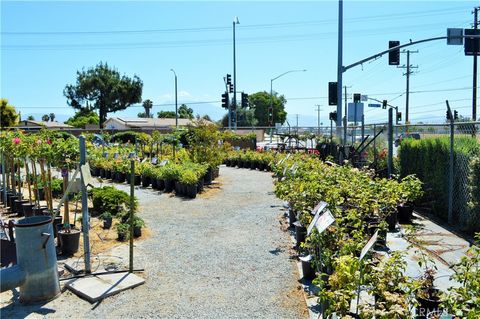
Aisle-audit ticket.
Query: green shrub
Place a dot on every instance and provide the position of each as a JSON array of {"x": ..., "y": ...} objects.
[{"x": 108, "y": 199}]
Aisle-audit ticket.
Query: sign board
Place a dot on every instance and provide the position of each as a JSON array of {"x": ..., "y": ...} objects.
[
  {"x": 131, "y": 155},
  {"x": 364, "y": 98},
  {"x": 317, "y": 210},
  {"x": 355, "y": 112},
  {"x": 164, "y": 162},
  {"x": 374, "y": 105},
  {"x": 105, "y": 154},
  {"x": 115, "y": 155},
  {"x": 324, "y": 220},
  {"x": 87, "y": 177},
  {"x": 454, "y": 36},
  {"x": 75, "y": 185},
  {"x": 154, "y": 161},
  {"x": 369, "y": 245}
]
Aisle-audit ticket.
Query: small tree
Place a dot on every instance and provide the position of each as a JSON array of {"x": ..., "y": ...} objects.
[
  {"x": 166, "y": 115},
  {"x": 45, "y": 117},
  {"x": 52, "y": 116},
  {"x": 184, "y": 112},
  {"x": 30, "y": 118},
  {"x": 83, "y": 117},
  {"x": 8, "y": 115}
]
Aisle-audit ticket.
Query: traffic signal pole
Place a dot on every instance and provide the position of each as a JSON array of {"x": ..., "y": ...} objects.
[
  {"x": 474, "y": 97},
  {"x": 340, "y": 71}
]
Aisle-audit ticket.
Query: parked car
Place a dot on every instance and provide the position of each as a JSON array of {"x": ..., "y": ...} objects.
[{"x": 402, "y": 136}]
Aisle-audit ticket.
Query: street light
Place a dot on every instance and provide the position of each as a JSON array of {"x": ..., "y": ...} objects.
[
  {"x": 176, "y": 103},
  {"x": 234, "y": 106},
  {"x": 270, "y": 110}
]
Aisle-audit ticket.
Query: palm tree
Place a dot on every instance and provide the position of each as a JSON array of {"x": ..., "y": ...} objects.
[
  {"x": 147, "y": 105},
  {"x": 45, "y": 117},
  {"x": 52, "y": 117}
]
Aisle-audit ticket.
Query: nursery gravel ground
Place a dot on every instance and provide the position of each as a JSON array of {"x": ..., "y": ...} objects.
[{"x": 224, "y": 254}]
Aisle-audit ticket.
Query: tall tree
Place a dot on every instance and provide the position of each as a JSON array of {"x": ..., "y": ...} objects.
[
  {"x": 184, "y": 112},
  {"x": 8, "y": 115},
  {"x": 147, "y": 105},
  {"x": 103, "y": 86},
  {"x": 52, "y": 116},
  {"x": 166, "y": 115},
  {"x": 45, "y": 117},
  {"x": 260, "y": 101}
]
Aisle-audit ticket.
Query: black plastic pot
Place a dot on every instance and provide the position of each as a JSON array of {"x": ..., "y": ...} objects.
[
  {"x": 137, "y": 180},
  {"x": 178, "y": 188},
  {"x": 207, "y": 179},
  {"x": 57, "y": 223},
  {"x": 120, "y": 177},
  {"x": 121, "y": 236},
  {"x": 405, "y": 213},
  {"x": 228, "y": 163},
  {"x": 300, "y": 233},
  {"x": 95, "y": 171},
  {"x": 107, "y": 223},
  {"x": 69, "y": 241},
  {"x": 11, "y": 202},
  {"x": 308, "y": 270},
  {"x": 191, "y": 190},
  {"x": 41, "y": 194},
  {"x": 216, "y": 172},
  {"x": 137, "y": 231},
  {"x": 392, "y": 221},
  {"x": 108, "y": 174},
  {"x": 19, "y": 206},
  {"x": 240, "y": 163},
  {"x": 160, "y": 184},
  {"x": 292, "y": 217},
  {"x": 430, "y": 304},
  {"x": 146, "y": 181},
  {"x": 38, "y": 210},
  {"x": 28, "y": 209},
  {"x": 200, "y": 185},
  {"x": 102, "y": 172},
  {"x": 169, "y": 185}
]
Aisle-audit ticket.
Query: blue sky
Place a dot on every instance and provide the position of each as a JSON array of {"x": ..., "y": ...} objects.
[{"x": 43, "y": 44}]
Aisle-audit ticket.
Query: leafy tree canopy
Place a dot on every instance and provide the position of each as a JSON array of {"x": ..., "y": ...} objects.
[
  {"x": 166, "y": 114},
  {"x": 31, "y": 118},
  {"x": 260, "y": 102},
  {"x": 8, "y": 115},
  {"x": 184, "y": 112},
  {"x": 83, "y": 117},
  {"x": 105, "y": 89},
  {"x": 147, "y": 105},
  {"x": 45, "y": 117}
]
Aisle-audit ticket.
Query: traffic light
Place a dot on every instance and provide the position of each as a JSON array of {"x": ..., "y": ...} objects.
[
  {"x": 471, "y": 45},
  {"x": 230, "y": 88},
  {"x": 357, "y": 97},
  {"x": 244, "y": 100},
  {"x": 225, "y": 100},
  {"x": 229, "y": 79},
  {"x": 394, "y": 56},
  {"x": 384, "y": 104},
  {"x": 399, "y": 116},
  {"x": 455, "y": 115},
  {"x": 332, "y": 116},
  {"x": 332, "y": 93},
  {"x": 448, "y": 115},
  {"x": 270, "y": 116}
]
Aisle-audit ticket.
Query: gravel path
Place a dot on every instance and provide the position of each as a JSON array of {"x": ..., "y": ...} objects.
[{"x": 221, "y": 255}]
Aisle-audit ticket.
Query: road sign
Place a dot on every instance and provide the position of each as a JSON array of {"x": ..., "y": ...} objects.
[
  {"x": 454, "y": 36},
  {"x": 355, "y": 112},
  {"x": 374, "y": 105}
]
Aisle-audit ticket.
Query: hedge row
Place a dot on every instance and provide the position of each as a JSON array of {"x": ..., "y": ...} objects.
[{"x": 429, "y": 160}]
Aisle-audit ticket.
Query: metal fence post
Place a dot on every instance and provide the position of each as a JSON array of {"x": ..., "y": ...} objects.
[
  {"x": 132, "y": 202},
  {"x": 85, "y": 220},
  {"x": 450, "y": 169},
  {"x": 374, "y": 145},
  {"x": 390, "y": 142}
]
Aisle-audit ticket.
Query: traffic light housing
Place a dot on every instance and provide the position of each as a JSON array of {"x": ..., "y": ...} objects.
[
  {"x": 455, "y": 115},
  {"x": 270, "y": 116},
  {"x": 332, "y": 116},
  {"x": 225, "y": 100},
  {"x": 229, "y": 79},
  {"x": 230, "y": 88},
  {"x": 384, "y": 104},
  {"x": 448, "y": 115},
  {"x": 357, "y": 97},
  {"x": 471, "y": 45},
  {"x": 244, "y": 100},
  {"x": 399, "y": 116},
  {"x": 332, "y": 93},
  {"x": 394, "y": 56}
]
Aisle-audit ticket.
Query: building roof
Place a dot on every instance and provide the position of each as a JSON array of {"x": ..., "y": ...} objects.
[
  {"x": 40, "y": 124},
  {"x": 151, "y": 122}
]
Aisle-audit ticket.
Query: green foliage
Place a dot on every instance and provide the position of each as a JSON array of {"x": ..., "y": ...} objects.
[
  {"x": 166, "y": 114},
  {"x": 260, "y": 101},
  {"x": 109, "y": 199},
  {"x": 8, "y": 116},
  {"x": 203, "y": 140},
  {"x": 428, "y": 159},
  {"x": 83, "y": 117},
  {"x": 105, "y": 89},
  {"x": 184, "y": 112}
]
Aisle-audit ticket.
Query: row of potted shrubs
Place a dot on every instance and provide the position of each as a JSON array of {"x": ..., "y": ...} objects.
[
  {"x": 249, "y": 159},
  {"x": 362, "y": 204}
]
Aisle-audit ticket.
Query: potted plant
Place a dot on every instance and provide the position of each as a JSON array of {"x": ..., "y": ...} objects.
[
  {"x": 122, "y": 231},
  {"x": 427, "y": 295},
  {"x": 107, "y": 220},
  {"x": 138, "y": 224},
  {"x": 410, "y": 189},
  {"x": 189, "y": 179}
]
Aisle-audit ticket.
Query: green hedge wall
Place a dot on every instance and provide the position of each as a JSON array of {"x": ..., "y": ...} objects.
[{"x": 429, "y": 160}]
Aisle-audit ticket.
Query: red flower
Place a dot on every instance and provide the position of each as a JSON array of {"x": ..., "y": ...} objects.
[
  {"x": 49, "y": 142},
  {"x": 16, "y": 140}
]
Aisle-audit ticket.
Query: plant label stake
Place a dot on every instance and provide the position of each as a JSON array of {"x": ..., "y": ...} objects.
[
  {"x": 154, "y": 160},
  {"x": 164, "y": 162},
  {"x": 132, "y": 201},
  {"x": 324, "y": 220},
  {"x": 317, "y": 210},
  {"x": 86, "y": 176},
  {"x": 364, "y": 252},
  {"x": 85, "y": 217}
]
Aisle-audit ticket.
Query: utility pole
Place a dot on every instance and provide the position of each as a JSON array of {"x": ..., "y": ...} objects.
[
  {"x": 318, "y": 118},
  {"x": 408, "y": 67},
  {"x": 474, "y": 97},
  {"x": 345, "y": 121},
  {"x": 340, "y": 71}
]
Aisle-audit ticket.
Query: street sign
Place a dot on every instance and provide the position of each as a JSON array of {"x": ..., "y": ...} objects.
[
  {"x": 454, "y": 36},
  {"x": 355, "y": 112},
  {"x": 374, "y": 105}
]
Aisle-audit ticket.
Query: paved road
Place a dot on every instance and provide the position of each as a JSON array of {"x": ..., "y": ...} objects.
[{"x": 221, "y": 255}]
